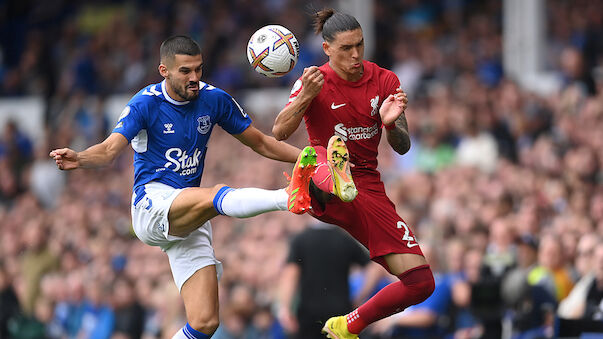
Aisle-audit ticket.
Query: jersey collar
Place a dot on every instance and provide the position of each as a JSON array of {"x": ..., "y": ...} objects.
[{"x": 167, "y": 97}]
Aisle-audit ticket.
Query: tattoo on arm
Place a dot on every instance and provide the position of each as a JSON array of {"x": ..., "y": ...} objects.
[
  {"x": 302, "y": 109},
  {"x": 399, "y": 138},
  {"x": 402, "y": 123}
]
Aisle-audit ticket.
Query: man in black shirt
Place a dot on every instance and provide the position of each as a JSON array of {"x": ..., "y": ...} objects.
[{"x": 319, "y": 263}]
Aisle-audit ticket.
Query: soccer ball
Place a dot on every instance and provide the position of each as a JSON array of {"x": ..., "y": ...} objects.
[{"x": 273, "y": 51}]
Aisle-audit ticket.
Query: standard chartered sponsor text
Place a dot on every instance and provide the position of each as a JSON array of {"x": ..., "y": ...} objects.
[{"x": 357, "y": 133}]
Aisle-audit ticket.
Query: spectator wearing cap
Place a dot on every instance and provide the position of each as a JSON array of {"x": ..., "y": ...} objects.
[
  {"x": 531, "y": 306},
  {"x": 551, "y": 271}
]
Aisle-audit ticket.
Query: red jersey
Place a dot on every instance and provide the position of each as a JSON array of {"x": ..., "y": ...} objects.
[{"x": 351, "y": 110}]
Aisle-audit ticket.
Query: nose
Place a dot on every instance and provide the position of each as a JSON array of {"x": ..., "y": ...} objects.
[
  {"x": 195, "y": 76},
  {"x": 355, "y": 53}
]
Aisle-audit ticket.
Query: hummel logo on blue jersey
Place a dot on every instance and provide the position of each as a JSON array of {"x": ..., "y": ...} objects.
[{"x": 168, "y": 129}]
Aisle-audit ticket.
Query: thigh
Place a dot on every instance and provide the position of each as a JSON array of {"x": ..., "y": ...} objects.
[
  {"x": 372, "y": 219},
  {"x": 191, "y": 254},
  {"x": 191, "y": 209},
  {"x": 150, "y": 208},
  {"x": 392, "y": 242},
  {"x": 398, "y": 263}
]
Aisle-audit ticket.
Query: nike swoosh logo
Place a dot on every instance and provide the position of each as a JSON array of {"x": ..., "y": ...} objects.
[
  {"x": 333, "y": 106},
  {"x": 411, "y": 245}
]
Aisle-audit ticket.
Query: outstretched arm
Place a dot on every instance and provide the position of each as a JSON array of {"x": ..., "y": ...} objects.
[
  {"x": 95, "y": 156},
  {"x": 268, "y": 146},
  {"x": 291, "y": 116},
  {"x": 394, "y": 119}
]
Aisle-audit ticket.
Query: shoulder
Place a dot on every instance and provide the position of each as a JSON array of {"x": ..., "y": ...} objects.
[
  {"x": 146, "y": 97},
  {"x": 325, "y": 67},
  {"x": 326, "y": 70},
  {"x": 211, "y": 92},
  {"x": 380, "y": 72}
]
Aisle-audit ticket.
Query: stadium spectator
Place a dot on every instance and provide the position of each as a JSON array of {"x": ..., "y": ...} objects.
[
  {"x": 594, "y": 297},
  {"x": 37, "y": 261},
  {"x": 129, "y": 313},
  {"x": 574, "y": 305},
  {"x": 314, "y": 283},
  {"x": 531, "y": 306},
  {"x": 9, "y": 303},
  {"x": 551, "y": 271},
  {"x": 97, "y": 318}
]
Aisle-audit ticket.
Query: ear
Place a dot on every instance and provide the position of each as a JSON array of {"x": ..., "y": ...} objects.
[
  {"x": 325, "y": 48},
  {"x": 163, "y": 70}
]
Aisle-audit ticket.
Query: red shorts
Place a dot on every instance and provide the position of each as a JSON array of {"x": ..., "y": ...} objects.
[{"x": 371, "y": 218}]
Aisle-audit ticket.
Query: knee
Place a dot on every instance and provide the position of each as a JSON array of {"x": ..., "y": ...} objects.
[
  {"x": 217, "y": 188},
  {"x": 206, "y": 324},
  {"x": 420, "y": 280},
  {"x": 206, "y": 198},
  {"x": 428, "y": 285}
]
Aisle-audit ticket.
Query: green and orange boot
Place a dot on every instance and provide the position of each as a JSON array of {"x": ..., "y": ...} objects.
[{"x": 299, "y": 194}]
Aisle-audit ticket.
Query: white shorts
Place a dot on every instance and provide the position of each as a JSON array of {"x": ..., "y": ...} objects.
[{"x": 150, "y": 206}]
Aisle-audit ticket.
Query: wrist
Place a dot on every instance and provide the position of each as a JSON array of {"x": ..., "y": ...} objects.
[
  {"x": 306, "y": 96},
  {"x": 78, "y": 160},
  {"x": 390, "y": 126}
]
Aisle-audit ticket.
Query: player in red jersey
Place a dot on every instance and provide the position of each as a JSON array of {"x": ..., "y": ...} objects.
[{"x": 353, "y": 98}]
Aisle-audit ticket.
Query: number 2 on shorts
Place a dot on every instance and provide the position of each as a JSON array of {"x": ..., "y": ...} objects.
[{"x": 406, "y": 237}]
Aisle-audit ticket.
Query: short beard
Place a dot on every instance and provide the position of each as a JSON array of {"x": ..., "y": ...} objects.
[{"x": 185, "y": 95}]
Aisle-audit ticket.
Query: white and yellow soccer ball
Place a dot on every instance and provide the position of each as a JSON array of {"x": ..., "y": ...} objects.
[{"x": 273, "y": 51}]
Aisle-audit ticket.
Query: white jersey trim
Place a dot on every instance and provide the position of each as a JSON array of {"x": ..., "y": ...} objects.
[
  {"x": 167, "y": 97},
  {"x": 140, "y": 141}
]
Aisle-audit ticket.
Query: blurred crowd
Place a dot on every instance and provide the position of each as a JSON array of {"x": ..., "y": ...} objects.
[{"x": 503, "y": 186}]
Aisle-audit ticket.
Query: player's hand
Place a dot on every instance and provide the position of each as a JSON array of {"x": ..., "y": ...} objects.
[
  {"x": 65, "y": 158},
  {"x": 312, "y": 81},
  {"x": 393, "y": 106}
]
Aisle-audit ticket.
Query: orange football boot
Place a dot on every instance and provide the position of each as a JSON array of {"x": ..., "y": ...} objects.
[{"x": 298, "y": 190}]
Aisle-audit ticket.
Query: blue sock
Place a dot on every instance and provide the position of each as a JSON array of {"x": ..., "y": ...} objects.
[
  {"x": 191, "y": 333},
  {"x": 218, "y": 198}
]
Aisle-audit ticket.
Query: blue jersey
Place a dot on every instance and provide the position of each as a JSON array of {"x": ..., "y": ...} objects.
[{"x": 170, "y": 137}]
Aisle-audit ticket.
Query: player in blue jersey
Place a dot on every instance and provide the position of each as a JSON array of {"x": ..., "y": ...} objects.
[{"x": 168, "y": 125}]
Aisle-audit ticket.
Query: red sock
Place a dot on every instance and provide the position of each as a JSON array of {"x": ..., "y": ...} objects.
[
  {"x": 322, "y": 176},
  {"x": 415, "y": 285}
]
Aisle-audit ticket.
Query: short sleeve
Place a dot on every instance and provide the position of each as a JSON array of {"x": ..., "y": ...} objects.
[
  {"x": 130, "y": 122},
  {"x": 297, "y": 87},
  {"x": 233, "y": 119},
  {"x": 390, "y": 83}
]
